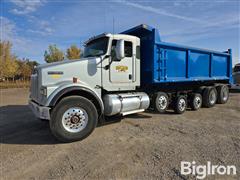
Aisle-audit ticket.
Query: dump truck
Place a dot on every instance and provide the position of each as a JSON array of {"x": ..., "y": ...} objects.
[{"x": 126, "y": 73}]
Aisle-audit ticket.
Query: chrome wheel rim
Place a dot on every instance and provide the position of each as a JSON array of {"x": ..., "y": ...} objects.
[
  {"x": 182, "y": 104},
  {"x": 74, "y": 119},
  {"x": 162, "y": 102},
  {"x": 198, "y": 102},
  {"x": 212, "y": 97}
]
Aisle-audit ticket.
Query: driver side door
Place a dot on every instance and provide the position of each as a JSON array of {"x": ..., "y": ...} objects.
[{"x": 121, "y": 71}]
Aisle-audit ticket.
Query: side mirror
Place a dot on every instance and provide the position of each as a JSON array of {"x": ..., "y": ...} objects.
[{"x": 120, "y": 54}]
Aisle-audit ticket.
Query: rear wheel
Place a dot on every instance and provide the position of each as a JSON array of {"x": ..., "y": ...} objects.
[
  {"x": 74, "y": 118},
  {"x": 195, "y": 101},
  {"x": 180, "y": 104},
  {"x": 223, "y": 94},
  {"x": 209, "y": 97},
  {"x": 161, "y": 102}
]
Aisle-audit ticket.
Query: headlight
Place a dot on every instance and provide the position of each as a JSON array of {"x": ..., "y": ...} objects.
[{"x": 43, "y": 90}]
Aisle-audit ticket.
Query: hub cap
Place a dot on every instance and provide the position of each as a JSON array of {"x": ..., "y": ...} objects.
[
  {"x": 75, "y": 119},
  {"x": 162, "y": 102},
  {"x": 182, "y": 104}
]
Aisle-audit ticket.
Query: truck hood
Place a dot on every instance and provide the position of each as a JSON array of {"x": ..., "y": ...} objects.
[
  {"x": 87, "y": 70},
  {"x": 46, "y": 65},
  {"x": 55, "y": 75}
]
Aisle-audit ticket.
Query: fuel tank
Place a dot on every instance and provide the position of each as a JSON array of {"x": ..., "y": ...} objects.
[{"x": 125, "y": 103}]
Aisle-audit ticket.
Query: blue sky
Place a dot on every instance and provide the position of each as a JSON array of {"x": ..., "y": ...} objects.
[{"x": 31, "y": 25}]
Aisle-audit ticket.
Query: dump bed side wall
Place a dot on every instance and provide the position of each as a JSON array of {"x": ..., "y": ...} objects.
[
  {"x": 173, "y": 64},
  {"x": 163, "y": 62},
  {"x": 177, "y": 64}
]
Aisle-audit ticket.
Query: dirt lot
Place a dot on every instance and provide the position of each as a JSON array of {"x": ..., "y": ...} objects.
[{"x": 143, "y": 146}]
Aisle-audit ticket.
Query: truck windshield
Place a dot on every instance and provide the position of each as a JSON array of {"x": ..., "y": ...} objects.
[{"x": 96, "y": 47}]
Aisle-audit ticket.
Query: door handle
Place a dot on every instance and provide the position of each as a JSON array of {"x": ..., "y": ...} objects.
[
  {"x": 130, "y": 76},
  {"x": 107, "y": 67}
]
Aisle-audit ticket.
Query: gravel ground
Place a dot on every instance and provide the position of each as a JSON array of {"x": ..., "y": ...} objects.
[{"x": 141, "y": 146}]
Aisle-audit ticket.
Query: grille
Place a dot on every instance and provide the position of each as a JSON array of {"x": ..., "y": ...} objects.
[{"x": 34, "y": 87}]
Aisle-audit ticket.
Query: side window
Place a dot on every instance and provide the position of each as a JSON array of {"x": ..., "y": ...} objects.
[{"x": 128, "y": 48}]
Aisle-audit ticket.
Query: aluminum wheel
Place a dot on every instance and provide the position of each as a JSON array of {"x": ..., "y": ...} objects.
[
  {"x": 75, "y": 119},
  {"x": 182, "y": 104},
  {"x": 162, "y": 102},
  {"x": 212, "y": 97},
  {"x": 198, "y": 102},
  {"x": 225, "y": 94}
]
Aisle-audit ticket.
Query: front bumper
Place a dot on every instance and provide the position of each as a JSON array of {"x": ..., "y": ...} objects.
[{"x": 41, "y": 112}]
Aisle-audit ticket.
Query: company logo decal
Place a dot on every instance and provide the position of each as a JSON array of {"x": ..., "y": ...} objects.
[
  {"x": 121, "y": 68},
  {"x": 55, "y": 74}
]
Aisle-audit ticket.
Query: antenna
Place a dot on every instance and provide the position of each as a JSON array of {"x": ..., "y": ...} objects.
[{"x": 113, "y": 24}]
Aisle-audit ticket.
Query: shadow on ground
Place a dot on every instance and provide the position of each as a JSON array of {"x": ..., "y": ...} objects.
[{"x": 18, "y": 125}]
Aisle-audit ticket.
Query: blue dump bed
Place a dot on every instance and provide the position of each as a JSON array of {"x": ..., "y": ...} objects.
[{"x": 163, "y": 62}]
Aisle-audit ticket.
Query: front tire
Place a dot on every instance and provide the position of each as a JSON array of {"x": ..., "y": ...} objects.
[{"x": 73, "y": 119}]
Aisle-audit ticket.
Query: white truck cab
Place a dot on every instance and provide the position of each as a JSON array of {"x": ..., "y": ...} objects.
[{"x": 75, "y": 94}]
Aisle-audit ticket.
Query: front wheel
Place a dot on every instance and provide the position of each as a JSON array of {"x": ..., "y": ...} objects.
[{"x": 73, "y": 119}]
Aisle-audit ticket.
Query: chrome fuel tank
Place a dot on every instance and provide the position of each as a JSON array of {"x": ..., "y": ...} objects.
[{"x": 125, "y": 102}]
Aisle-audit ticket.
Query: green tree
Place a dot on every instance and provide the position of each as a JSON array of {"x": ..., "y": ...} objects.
[
  {"x": 73, "y": 52},
  {"x": 53, "y": 54}
]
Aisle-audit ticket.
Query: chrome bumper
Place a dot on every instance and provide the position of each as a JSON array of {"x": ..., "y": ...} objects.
[{"x": 41, "y": 112}]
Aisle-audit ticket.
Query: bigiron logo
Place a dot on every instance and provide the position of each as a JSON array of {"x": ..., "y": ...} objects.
[{"x": 202, "y": 171}]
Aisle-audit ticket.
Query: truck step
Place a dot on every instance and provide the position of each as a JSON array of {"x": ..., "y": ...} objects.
[{"x": 132, "y": 112}]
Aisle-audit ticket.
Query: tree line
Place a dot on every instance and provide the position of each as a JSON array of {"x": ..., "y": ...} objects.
[
  {"x": 13, "y": 68},
  {"x": 54, "y": 54}
]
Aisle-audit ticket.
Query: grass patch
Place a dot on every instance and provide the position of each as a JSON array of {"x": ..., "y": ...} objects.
[{"x": 16, "y": 84}]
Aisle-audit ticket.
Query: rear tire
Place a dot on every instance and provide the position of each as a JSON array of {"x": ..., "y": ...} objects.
[
  {"x": 161, "y": 102},
  {"x": 73, "y": 119},
  {"x": 180, "y": 104},
  {"x": 209, "y": 97},
  {"x": 223, "y": 94},
  {"x": 195, "y": 101}
]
